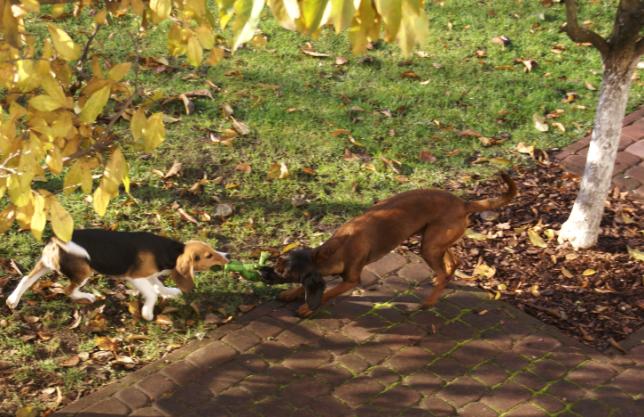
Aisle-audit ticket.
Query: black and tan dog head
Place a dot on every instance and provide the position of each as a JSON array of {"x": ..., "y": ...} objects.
[
  {"x": 197, "y": 256},
  {"x": 298, "y": 266}
]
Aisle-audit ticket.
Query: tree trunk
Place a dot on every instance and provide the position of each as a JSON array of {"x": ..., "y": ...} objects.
[{"x": 582, "y": 227}]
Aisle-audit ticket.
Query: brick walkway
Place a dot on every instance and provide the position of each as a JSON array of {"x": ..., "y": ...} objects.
[
  {"x": 629, "y": 165},
  {"x": 373, "y": 353}
]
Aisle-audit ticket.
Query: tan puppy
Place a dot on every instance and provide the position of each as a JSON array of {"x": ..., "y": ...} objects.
[{"x": 440, "y": 217}]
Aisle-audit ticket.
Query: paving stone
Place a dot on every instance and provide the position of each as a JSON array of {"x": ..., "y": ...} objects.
[
  {"x": 368, "y": 278},
  {"x": 294, "y": 338},
  {"x": 265, "y": 327},
  {"x": 242, "y": 340},
  {"x": 490, "y": 374},
  {"x": 212, "y": 354},
  {"x": 307, "y": 360},
  {"x": 438, "y": 344},
  {"x": 400, "y": 395},
  {"x": 627, "y": 158},
  {"x": 425, "y": 382},
  {"x": 385, "y": 376},
  {"x": 448, "y": 369},
  {"x": 358, "y": 391},
  {"x": 590, "y": 408},
  {"x": 437, "y": 407},
  {"x": 156, "y": 385},
  {"x": 353, "y": 362},
  {"x": 591, "y": 374},
  {"x": 636, "y": 149},
  {"x": 625, "y": 182},
  {"x": 526, "y": 410},
  {"x": 386, "y": 264},
  {"x": 476, "y": 409},
  {"x": 636, "y": 172},
  {"x": 132, "y": 397},
  {"x": 462, "y": 391},
  {"x": 629, "y": 381},
  {"x": 226, "y": 376},
  {"x": 409, "y": 360},
  {"x": 575, "y": 164},
  {"x": 373, "y": 353},
  {"x": 415, "y": 273},
  {"x": 107, "y": 407},
  {"x": 180, "y": 372},
  {"x": 470, "y": 355},
  {"x": 147, "y": 412},
  {"x": 506, "y": 397},
  {"x": 549, "y": 369},
  {"x": 633, "y": 132},
  {"x": 566, "y": 391},
  {"x": 549, "y": 403},
  {"x": 531, "y": 381},
  {"x": 536, "y": 345}
]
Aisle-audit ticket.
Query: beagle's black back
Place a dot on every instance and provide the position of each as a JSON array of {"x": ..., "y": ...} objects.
[{"x": 114, "y": 253}]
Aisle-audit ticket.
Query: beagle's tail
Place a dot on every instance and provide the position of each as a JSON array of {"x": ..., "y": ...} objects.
[
  {"x": 494, "y": 203},
  {"x": 71, "y": 248}
]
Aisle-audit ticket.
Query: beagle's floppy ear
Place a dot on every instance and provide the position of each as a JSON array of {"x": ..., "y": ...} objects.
[
  {"x": 314, "y": 286},
  {"x": 184, "y": 272}
]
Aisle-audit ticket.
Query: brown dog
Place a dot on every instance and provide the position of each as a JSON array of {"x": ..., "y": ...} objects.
[{"x": 440, "y": 217}]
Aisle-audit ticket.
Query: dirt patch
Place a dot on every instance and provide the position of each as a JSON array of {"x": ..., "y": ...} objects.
[{"x": 594, "y": 295}]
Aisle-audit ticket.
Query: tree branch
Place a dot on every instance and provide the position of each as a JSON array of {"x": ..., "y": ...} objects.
[
  {"x": 81, "y": 76},
  {"x": 580, "y": 34},
  {"x": 639, "y": 48}
]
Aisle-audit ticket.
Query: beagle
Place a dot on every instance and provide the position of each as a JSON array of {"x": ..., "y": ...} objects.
[
  {"x": 439, "y": 216},
  {"x": 141, "y": 258}
]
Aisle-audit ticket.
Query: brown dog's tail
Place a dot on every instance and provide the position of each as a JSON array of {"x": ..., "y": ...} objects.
[{"x": 493, "y": 203}]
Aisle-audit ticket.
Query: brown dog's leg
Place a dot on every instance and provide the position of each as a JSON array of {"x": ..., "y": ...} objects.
[
  {"x": 350, "y": 281},
  {"x": 291, "y": 294},
  {"x": 436, "y": 261},
  {"x": 435, "y": 251}
]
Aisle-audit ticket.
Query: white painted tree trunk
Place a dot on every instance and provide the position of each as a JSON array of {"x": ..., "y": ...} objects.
[{"x": 582, "y": 227}]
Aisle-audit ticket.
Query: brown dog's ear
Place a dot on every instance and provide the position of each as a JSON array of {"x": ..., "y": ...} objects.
[
  {"x": 314, "y": 286},
  {"x": 184, "y": 272}
]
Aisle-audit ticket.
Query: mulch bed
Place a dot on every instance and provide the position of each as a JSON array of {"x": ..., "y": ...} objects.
[{"x": 595, "y": 295}]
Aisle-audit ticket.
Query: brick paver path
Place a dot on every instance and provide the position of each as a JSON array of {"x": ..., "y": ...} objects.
[
  {"x": 374, "y": 353},
  {"x": 629, "y": 165}
]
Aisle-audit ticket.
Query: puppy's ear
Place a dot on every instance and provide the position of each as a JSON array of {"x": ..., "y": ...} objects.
[
  {"x": 184, "y": 272},
  {"x": 314, "y": 286}
]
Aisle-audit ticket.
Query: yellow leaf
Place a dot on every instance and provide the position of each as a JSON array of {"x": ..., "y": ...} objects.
[
  {"x": 27, "y": 412},
  {"x": 86, "y": 177},
  {"x": 278, "y": 170},
  {"x": 540, "y": 123},
  {"x": 54, "y": 160},
  {"x": 566, "y": 273},
  {"x": 206, "y": 37},
  {"x": 61, "y": 222},
  {"x": 7, "y": 216},
  {"x": 534, "y": 290},
  {"x": 216, "y": 55},
  {"x": 635, "y": 253},
  {"x": 154, "y": 132},
  {"x": 226, "y": 9},
  {"x": 474, "y": 235},
  {"x": 45, "y": 103},
  {"x": 101, "y": 17},
  {"x": 137, "y": 124},
  {"x": 32, "y": 6},
  {"x": 312, "y": 12},
  {"x": 414, "y": 26},
  {"x": 64, "y": 45},
  {"x": 73, "y": 178},
  {"x": 10, "y": 25},
  {"x": 94, "y": 105},
  {"x": 391, "y": 12},
  {"x": 138, "y": 7},
  {"x": 161, "y": 8},
  {"x": 589, "y": 272},
  {"x": 286, "y": 11},
  {"x": 536, "y": 239},
  {"x": 100, "y": 201},
  {"x": 247, "y": 14},
  {"x": 119, "y": 71},
  {"x": 342, "y": 12},
  {"x": 195, "y": 52},
  {"x": 39, "y": 216},
  {"x": 19, "y": 189},
  {"x": 484, "y": 270}
]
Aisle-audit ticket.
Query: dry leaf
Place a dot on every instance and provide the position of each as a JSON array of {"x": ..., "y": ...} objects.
[
  {"x": 501, "y": 40},
  {"x": 409, "y": 74},
  {"x": 240, "y": 127},
  {"x": 184, "y": 215},
  {"x": 278, "y": 170},
  {"x": 70, "y": 362},
  {"x": 106, "y": 343},
  {"x": 340, "y": 60},
  {"x": 469, "y": 233},
  {"x": 338, "y": 132},
  {"x": 566, "y": 273},
  {"x": 589, "y": 272},
  {"x": 243, "y": 167},
  {"x": 427, "y": 156},
  {"x": 173, "y": 171},
  {"x": 540, "y": 123},
  {"x": 635, "y": 253},
  {"x": 245, "y": 308},
  {"x": 163, "y": 320},
  {"x": 223, "y": 210},
  {"x": 536, "y": 239},
  {"x": 484, "y": 270}
]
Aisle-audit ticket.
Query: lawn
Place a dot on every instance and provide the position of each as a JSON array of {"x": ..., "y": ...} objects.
[{"x": 349, "y": 131}]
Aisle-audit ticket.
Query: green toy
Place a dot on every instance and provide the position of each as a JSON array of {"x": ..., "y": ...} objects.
[{"x": 248, "y": 270}]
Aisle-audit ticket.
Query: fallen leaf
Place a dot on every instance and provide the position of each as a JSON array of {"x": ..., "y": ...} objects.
[
  {"x": 534, "y": 290},
  {"x": 536, "y": 239},
  {"x": 540, "y": 123},
  {"x": 278, "y": 170},
  {"x": 339, "y": 132},
  {"x": 309, "y": 171},
  {"x": 163, "y": 320},
  {"x": 106, "y": 343},
  {"x": 340, "y": 60},
  {"x": 184, "y": 215},
  {"x": 469, "y": 133},
  {"x": 409, "y": 74},
  {"x": 484, "y": 270},
  {"x": 566, "y": 273},
  {"x": 243, "y": 167},
  {"x": 240, "y": 127},
  {"x": 635, "y": 253},
  {"x": 5, "y": 365},
  {"x": 70, "y": 362},
  {"x": 27, "y": 412},
  {"x": 427, "y": 156},
  {"x": 173, "y": 171},
  {"x": 589, "y": 86},
  {"x": 525, "y": 149},
  {"x": 501, "y": 40},
  {"x": 223, "y": 210},
  {"x": 245, "y": 308},
  {"x": 308, "y": 50},
  {"x": 469, "y": 233},
  {"x": 589, "y": 272}
]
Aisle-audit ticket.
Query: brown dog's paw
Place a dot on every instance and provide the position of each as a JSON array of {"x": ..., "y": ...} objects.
[
  {"x": 290, "y": 295},
  {"x": 304, "y": 311}
]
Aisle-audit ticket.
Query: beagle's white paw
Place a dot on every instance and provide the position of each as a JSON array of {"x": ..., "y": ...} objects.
[
  {"x": 167, "y": 292},
  {"x": 12, "y": 302},
  {"x": 147, "y": 312},
  {"x": 83, "y": 297}
]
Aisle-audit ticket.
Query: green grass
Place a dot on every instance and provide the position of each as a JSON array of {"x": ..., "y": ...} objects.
[{"x": 293, "y": 102}]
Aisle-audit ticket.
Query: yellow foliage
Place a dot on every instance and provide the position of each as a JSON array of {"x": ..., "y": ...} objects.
[
  {"x": 64, "y": 45},
  {"x": 61, "y": 221}
]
